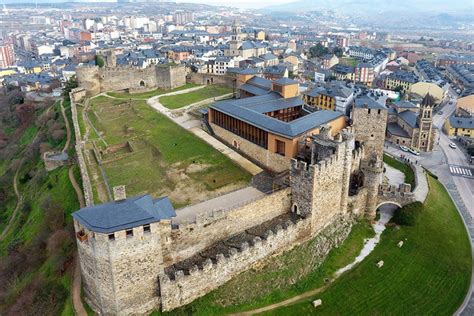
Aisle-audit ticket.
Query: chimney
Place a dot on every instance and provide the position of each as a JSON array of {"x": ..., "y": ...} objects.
[{"x": 119, "y": 193}]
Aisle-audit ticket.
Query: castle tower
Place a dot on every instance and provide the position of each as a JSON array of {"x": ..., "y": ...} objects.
[
  {"x": 119, "y": 247},
  {"x": 88, "y": 78},
  {"x": 109, "y": 57},
  {"x": 369, "y": 120},
  {"x": 423, "y": 139},
  {"x": 373, "y": 173},
  {"x": 320, "y": 185}
]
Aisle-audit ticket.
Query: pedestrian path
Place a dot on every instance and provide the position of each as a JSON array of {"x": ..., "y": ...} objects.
[{"x": 461, "y": 171}]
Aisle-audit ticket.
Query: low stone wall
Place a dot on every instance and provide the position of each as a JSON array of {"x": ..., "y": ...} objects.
[
  {"x": 358, "y": 203},
  {"x": 192, "y": 238},
  {"x": 181, "y": 288},
  {"x": 261, "y": 156},
  {"x": 86, "y": 182},
  {"x": 206, "y": 79}
]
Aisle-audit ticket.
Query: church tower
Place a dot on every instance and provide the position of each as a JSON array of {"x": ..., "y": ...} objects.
[
  {"x": 423, "y": 139},
  {"x": 236, "y": 41}
]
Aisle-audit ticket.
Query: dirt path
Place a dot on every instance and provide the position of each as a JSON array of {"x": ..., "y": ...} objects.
[
  {"x": 77, "y": 188},
  {"x": 283, "y": 303},
  {"x": 68, "y": 127},
  {"x": 17, "y": 207},
  {"x": 76, "y": 289}
]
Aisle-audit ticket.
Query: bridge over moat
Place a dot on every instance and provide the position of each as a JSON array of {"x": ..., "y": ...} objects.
[{"x": 400, "y": 196}]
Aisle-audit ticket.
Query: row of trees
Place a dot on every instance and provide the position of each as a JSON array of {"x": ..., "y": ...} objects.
[{"x": 319, "y": 50}]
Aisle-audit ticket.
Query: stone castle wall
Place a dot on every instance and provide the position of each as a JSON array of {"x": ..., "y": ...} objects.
[
  {"x": 205, "y": 79},
  {"x": 96, "y": 80},
  {"x": 259, "y": 155},
  {"x": 191, "y": 238},
  {"x": 183, "y": 288}
]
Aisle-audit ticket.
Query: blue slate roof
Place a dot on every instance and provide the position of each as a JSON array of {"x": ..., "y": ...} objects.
[
  {"x": 461, "y": 122},
  {"x": 410, "y": 118},
  {"x": 255, "y": 90},
  {"x": 119, "y": 215},
  {"x": 251, "y": 110},
  {"x": 403, "y": 104},
  {"x": 260, "y": 82},
  {"x": 285, "y": 81},
  {"x": 397, "y": 130}
]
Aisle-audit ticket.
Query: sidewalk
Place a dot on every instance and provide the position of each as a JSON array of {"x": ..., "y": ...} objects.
[{"x": 421, "y": 190}]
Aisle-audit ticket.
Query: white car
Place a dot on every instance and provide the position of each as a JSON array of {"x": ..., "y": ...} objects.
[
  {"x": 404, "y": 148},
  {"x": 452, "y": 145},
  {"x": 414, "y": 151}
]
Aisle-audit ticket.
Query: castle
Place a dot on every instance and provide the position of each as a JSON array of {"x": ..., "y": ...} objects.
[
  {"x": 95, "y": 79},
  {"x": 138, "y": 255}
]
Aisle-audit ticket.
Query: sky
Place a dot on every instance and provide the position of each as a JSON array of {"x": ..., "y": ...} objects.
[{"x": 239, "y": 3}]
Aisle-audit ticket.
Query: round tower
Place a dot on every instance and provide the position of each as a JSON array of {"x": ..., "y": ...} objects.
[
  {"x": 373, "y": 173},
  {"x": 88, "y": 78}
]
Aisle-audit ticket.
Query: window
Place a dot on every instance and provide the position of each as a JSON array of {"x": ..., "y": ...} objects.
[
  {"x": 146, "y": 228},
  {"x": 129, "y": 232},
  {"x": 112, "y": 236},
  {"x": 378, "y": 111},
  {"x": 369, "y": 111},
  {"x": 280, "y": 147}
]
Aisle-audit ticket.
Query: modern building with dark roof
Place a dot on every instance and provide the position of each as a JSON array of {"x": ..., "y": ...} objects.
[{"x": 267, "y": 127}]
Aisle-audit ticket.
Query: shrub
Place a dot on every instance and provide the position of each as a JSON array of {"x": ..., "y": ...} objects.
[{"x": 408, "y": 215}]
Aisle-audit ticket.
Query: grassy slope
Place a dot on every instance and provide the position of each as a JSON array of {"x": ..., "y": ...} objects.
[
  {"x": 181, "y": 100},
  {"x": 27, "y": 226},
  {"x": 149, "y": 94},
  {"x": 430, "y": 274},
  {"x": 403, "y": 167},
  {"x": 282, "y": 277}
]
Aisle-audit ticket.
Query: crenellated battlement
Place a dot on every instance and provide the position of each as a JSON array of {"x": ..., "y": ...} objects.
[{"x": 220, "y": 265}]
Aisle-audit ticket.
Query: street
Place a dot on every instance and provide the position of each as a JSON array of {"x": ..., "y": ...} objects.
[{"x": 450, "y": 165}]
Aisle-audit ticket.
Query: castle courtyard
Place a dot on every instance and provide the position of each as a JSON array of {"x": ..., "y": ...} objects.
[{"x": 147, "y": 152}]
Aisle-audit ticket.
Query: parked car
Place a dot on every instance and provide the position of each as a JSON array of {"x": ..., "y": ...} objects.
[
  {"x": 452, "y": 145},
  {"x": 414, "y": 151},
  {"x": 404, "y": 148},
  {"x": 440, "y": 112}
]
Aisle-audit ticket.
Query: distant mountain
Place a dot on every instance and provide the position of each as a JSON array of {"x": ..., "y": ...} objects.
[{"x": 375, "y": 6}]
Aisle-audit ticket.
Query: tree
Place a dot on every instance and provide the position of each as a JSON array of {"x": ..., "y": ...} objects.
[
  {"x": 318, "y": 50},
  {"x": 99, "y": 61},
  {"x": 337, "y": 51},
  {"x": 70, "y": 84}
]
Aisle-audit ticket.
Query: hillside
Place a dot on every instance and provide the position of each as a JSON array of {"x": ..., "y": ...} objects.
[{"x": 36, "y": 233}]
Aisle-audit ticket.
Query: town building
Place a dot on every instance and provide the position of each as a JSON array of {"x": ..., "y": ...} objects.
[
  {"x": 400, "y": 80},
  {"x": 239, "y": 47},
  {"x": 7, "y": 55},
  {"x": 412, "y": 126},
  {"x": 334, "y": 96}
]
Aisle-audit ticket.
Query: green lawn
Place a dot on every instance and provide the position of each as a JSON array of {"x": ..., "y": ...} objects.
[
  {"x": 181, "y": 100},
  {"x": 284, "y": 276},
  {"x": 149, "y": 94},
  {"x": 403, "y": 167},
  {"x": 166, "y": 159},
  {"x": 429, "y": 275}
]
